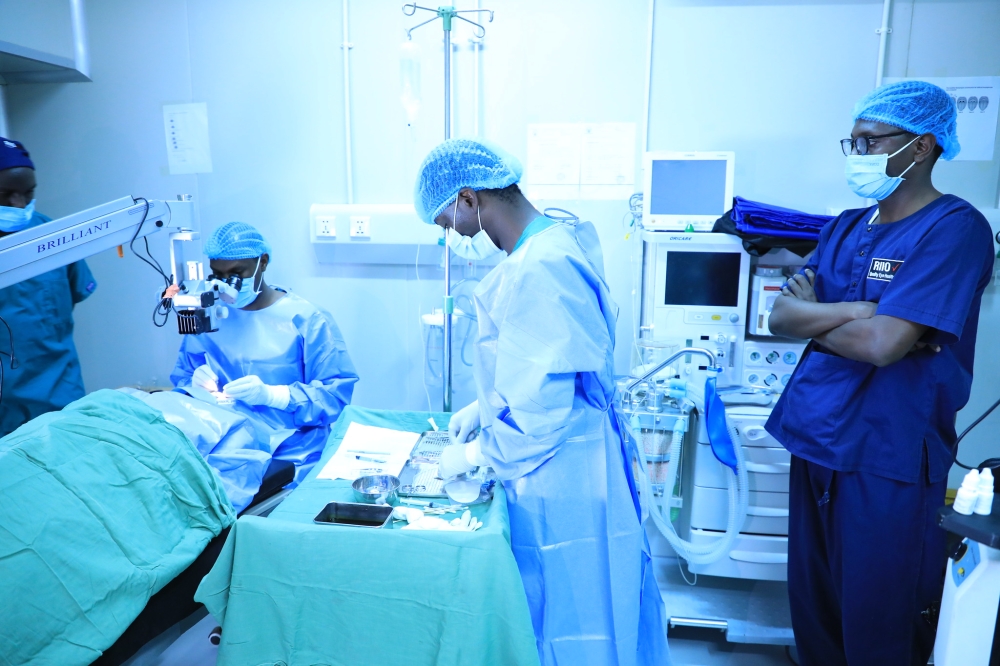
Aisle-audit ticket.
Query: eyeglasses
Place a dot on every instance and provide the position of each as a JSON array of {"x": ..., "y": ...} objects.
[{"x": 862, "y": 144}]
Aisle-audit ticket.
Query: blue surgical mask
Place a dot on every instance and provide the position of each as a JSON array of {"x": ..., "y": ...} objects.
[
  {"x": 476, "y": 247},
  {"x": 15, "y": 219},
  {"x": 247, "y": 293},
  {"x": 867, "y": 177}
]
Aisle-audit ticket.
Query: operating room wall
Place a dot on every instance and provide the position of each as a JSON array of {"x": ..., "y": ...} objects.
[{"x": 773, "y": 81}]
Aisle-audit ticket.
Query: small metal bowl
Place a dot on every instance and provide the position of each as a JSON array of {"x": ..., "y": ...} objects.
[{"x": 377, "y": 489}]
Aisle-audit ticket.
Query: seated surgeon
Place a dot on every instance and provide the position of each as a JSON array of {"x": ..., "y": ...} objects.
[
  {"x": 282, "y": 358},
  {"x": 891, "y": 302},
  {"x": 544, "y": 368},
  {"x": 46, "y": 376}
]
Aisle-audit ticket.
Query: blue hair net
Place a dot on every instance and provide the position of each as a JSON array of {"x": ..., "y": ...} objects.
[
  {"x": 236, "y": 240},
  {"x": 915, "y": 106},
  {"x": 457, "y": 164}
]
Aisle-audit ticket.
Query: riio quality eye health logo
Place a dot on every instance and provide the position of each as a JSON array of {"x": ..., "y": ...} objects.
[
  {"x": 884, "y": 269},
  {"x": 73, "y": 237}
]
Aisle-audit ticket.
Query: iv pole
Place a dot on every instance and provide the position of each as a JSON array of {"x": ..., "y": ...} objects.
[{"x": 446, "y": 14}]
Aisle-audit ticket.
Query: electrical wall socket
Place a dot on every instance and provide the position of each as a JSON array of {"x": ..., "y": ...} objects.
[
  {"x": 325, "y": 227},
  {"x": 361, "y": 226}
]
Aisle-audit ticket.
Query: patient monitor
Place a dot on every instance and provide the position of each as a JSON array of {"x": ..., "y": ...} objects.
[{"x": 686, "y": 191}]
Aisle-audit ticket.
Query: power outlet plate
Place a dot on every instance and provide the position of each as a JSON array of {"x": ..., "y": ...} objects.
[
  {"x": 361, "y": 226},
  {"x": 325, "y": 227}
]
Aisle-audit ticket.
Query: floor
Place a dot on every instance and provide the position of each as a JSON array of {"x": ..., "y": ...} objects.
[{"x": 185, "y": 644}]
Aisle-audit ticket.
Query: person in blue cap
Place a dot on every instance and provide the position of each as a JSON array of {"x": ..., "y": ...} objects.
[
  {"x": 890, "y": 301},
  {"x": 280, "y": 357},
  {"x": 45, "y": 375},
  {"x": 544, "y": 368}
]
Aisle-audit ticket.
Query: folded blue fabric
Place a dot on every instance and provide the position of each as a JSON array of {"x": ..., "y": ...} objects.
[{"x": 757, "y": 218}]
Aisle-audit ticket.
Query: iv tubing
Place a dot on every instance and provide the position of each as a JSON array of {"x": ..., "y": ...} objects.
[
  {"x": 649, "y": 75},
  {"x": 348, "y": 156},
  {"x": 883, "y": 38},
  {"x": 448, "y": 303}
]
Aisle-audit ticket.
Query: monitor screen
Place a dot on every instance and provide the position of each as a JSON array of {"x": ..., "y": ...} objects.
[
  {"x": 703, "y": 278},
  {"x": 688, "y": 187}
]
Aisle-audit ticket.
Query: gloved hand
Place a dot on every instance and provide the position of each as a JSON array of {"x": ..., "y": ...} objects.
[
  {"x": 454, "y": 461},
  {"x": 461, "y": 458},
  {"x": 204, "y": 377},
  {"x": 463, "y": 423},
  {"x": 253, "y": 391}
]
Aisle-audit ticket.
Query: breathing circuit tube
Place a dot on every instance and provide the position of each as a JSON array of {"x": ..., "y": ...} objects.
[{"x": 716, "y": 549}]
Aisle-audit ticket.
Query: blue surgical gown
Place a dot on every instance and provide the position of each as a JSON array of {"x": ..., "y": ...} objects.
[
  {"x": 293, "y": 343},
  {"x": 39, "y": 311},
  {"x": 545, "y": 379}
]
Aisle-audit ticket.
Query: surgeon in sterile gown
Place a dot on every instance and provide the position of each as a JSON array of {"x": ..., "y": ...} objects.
[
  {"x": 545, "y": 381},
  {"x": 280, "y": 357}
]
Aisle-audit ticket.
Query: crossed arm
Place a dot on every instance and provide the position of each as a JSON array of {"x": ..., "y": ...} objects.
[{"x": 852, "y": 330}]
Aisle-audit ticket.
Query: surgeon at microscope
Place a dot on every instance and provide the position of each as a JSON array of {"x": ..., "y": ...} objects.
[
  {"x": 544, "y": 368},
  {"x": 890, "y": 301},
  {"x": 45, "y": 373},
  {"x": 278, "y": 355}
]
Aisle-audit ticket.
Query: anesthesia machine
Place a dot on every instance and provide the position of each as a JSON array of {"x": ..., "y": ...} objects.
[{"x": 702, "y": 335}]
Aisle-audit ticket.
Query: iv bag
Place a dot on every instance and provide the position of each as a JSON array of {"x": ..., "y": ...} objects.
[{"x": 409, "y": 79}]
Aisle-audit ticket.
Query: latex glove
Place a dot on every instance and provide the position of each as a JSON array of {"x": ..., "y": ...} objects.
[
  {"x": 407, "y": 513},
  {"x": 253, "y": 391},
  {"x": 204, "y": 377},
  {"x": 463, "y": 423},
  {"x": 432, "y": 523},
  {"x": 454, "y": 461},
  {"x": 474, "y": 453},
  {"x": 464, "y": 524}
]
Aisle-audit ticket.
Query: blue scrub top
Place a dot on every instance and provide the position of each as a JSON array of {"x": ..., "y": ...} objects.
[
  {"x": 39, "y": 311},
  {"x": 930, "y": 268}
]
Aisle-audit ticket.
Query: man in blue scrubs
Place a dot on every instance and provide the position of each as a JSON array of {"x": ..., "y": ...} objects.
[
  {"x": 891, "y": 302},
  {"x": 39, "y": 311}
]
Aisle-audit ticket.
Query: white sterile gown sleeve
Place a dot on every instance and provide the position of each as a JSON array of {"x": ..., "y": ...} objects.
[{"x": 545, "y": 378}]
